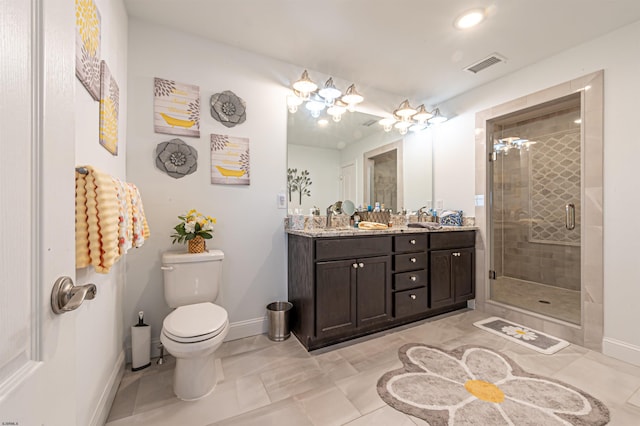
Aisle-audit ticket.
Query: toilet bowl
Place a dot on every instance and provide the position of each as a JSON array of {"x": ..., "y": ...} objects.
[{"x": 192, "y": 333}]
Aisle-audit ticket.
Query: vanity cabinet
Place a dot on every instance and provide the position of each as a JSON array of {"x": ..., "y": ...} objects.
[
  {"x": 348, "y": 286},
  {"x": 452, "y": 275}
]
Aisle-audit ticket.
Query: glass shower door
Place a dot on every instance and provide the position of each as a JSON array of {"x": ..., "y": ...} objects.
[{"x": 535, "y": 209}]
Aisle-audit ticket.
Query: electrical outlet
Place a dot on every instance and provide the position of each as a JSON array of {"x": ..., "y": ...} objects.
[
  {"x": 282, "y": 200},
  {"x": 439, "y": 204}
]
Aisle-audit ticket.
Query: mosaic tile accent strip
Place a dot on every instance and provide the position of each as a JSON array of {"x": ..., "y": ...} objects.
[{"x": 555, "y": 181}]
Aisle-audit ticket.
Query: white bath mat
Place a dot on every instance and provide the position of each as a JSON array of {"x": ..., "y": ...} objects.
[{"x": 533, "y": 339}]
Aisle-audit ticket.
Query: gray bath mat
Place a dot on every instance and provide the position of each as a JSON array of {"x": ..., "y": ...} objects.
[
  {"x": 532, "y": 339},
  {"x": 473, "y": 385}
]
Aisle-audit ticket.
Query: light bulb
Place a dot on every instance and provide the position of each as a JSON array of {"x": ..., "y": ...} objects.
[
  {"x": 337, "y": 117},
  {"x": 315, "y": 113}
]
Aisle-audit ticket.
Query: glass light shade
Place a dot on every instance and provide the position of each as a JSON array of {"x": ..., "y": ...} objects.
[
  {"x": 403, "y": 126},
  {"x": 305, "y": 85},
  {"x": 387, "y": 123},
  {"x": 293, "y": 102},
  {"x": 422, "y": 115},
  {"x": 336, "y": 112},
  {"x": 418, "y": 127},
  {"x": 437, "y": 117},
  {"x": 405, "y": 111},
  {"x": 329, "y": 92},
  {"x": 351, "y": 96},
  {"x": 315, "y": 103}
]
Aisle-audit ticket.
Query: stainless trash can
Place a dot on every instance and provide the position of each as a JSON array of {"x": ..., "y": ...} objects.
[{"x": 278, "y": 313}]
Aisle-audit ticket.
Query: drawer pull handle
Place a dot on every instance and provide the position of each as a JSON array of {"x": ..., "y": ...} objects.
[
  {"x": 361, "y": 265},
  {"x": 413, "y": 242},
  {"x": 355, "y": 266},
  {"x": 413, "y": 278},
  {"x": 413, "y": 260},
  {"x": 413, "y": 297}
]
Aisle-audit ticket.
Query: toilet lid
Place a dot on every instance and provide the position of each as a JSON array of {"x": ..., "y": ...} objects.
[{"x": 195, "y": 323}]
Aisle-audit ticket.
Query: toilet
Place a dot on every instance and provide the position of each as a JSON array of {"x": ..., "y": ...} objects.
[{"x": 197, "y": 326}]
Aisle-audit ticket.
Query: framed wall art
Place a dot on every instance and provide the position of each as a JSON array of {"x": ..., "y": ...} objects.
[
  {"x": 88, "y": 46},
  {"x": 230, "y": 160},
  {"x": 109, "y": 107},
  {"x": 176, "y": 108}
]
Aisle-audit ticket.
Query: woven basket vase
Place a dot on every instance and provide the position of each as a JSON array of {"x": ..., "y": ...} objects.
[{"x": 197, "y": 245}]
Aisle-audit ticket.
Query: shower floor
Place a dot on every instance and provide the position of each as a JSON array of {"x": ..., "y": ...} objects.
[{"x": 563, "y": 304}]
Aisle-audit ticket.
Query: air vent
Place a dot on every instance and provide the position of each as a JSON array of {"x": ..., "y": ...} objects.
[
  {"x": 369, "y": 123},
  {"x": 485, "y": 63}
]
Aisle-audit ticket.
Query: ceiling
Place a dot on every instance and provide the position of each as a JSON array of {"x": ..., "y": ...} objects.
[{"x": 404, "y": 47}]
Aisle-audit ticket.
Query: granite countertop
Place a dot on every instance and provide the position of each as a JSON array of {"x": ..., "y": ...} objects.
[{"x": 350, "y": 232}]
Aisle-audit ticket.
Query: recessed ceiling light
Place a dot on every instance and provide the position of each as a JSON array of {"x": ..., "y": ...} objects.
[
  {"x": 323, "y": 122},
  {"x": 469, "y": 19}
]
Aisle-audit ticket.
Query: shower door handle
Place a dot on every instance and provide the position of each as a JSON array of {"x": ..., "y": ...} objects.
[{"x": 570, "y": 216}]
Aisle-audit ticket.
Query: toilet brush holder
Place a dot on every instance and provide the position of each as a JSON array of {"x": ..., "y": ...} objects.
[{"x": 140, "y": 344}]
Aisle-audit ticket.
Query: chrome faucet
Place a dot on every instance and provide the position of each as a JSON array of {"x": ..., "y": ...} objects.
[
  {"x": 335, "y": 208},
  {"x": 422, "y": 213}
]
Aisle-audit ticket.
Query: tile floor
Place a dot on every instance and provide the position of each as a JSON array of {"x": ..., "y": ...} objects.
[
  {"x": 563, "y": 304},
  {"x": 268, "y": 383}
]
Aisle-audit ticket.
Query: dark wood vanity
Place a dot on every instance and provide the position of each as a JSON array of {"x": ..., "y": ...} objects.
[{"x": 346, "y": 286}]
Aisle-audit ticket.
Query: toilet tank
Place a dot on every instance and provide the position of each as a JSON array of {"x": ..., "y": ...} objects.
[{"x": 191, "y": 277}]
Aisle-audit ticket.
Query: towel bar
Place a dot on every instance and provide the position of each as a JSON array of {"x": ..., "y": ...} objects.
[{"x": 82, "y": 170}]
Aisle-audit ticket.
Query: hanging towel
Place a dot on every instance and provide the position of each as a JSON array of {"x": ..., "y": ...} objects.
[
  {"x": 139, "y": 221},
  {"x": 82, "y": 226},
  {"x": 125, "y": 210},
  {"x": 102, "y": 213}
]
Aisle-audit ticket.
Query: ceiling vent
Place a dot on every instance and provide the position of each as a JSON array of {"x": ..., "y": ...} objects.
[
  {"x": 485, "y": 63},
  {"x": 369, "y": 123}
]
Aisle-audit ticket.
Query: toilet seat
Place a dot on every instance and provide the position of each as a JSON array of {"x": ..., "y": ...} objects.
[{"x": 195, "y": 323}]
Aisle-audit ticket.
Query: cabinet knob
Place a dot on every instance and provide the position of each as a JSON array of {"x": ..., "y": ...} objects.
[
  {"x": 361, "y": 265},
  {"x": 355, "y": 266},
  {"x": 413, "y": 242},
  {"x": 413, "y": 278},
  {"x": 413, "y": 297},
  {"x": 413, "y": 260}
]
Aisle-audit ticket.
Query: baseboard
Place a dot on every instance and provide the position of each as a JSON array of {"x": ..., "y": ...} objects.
[
  {"x": 101, "y": 412},
  {"x": 237, "y": 330},
  {"x": 247, "y": 328},
  {"x": 621, "y": 350}
]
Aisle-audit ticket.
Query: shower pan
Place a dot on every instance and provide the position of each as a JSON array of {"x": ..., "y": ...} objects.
[{"x": 535, "y": 213}]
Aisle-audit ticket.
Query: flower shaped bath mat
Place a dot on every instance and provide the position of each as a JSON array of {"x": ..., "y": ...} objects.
[
  {"x": 532, "y": 339},
  {"x": 477, "y": 386}
]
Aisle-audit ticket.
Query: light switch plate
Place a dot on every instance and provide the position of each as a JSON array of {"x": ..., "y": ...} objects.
[{"x": 281, "y": 200}]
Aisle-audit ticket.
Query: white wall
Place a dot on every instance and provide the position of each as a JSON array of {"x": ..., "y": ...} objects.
[
  {"x": 614, "y": 52},
  {"x": 99, "y": 355},
  {"x": 324, "y": 170},
  {"x": 249, "y": 226}
]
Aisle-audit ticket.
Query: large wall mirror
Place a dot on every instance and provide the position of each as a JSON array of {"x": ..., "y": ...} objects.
[{"x": 355, "y": 159}]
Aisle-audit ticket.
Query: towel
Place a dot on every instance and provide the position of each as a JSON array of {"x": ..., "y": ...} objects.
[
  {"x": 109, "y": 219},
  {"x": 372, "y": 225}
]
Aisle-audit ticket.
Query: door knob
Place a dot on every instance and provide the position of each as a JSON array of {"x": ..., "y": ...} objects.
[
  {"x": 355, "y": 266},
  {"x": 412, "y": 241},
  {"x": 413, "y": 260},
  {"x": 361, "y": 265},
  {"x": 67, "y": 297},
  {"x": 413, "y": 297},
  {"x": 413, "y": 278}
]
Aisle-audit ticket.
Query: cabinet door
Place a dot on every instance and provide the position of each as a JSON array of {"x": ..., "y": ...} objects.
[
  {"x": 335, "y": 297},
  {"x": 462, "y": 274},
  {"x": 442, "y": 290},
  {"x": 374, "y": 290}
]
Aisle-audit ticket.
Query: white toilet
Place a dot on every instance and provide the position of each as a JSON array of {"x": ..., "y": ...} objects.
[{"x": 197, "y": 327}]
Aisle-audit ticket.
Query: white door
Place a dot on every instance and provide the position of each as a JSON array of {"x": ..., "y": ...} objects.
[
  {"x": 348, "y": 182},
  {"x": 37, "y": 347}
]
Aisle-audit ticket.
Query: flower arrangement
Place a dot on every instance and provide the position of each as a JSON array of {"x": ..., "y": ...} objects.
[{"x": 193, "y": 227}]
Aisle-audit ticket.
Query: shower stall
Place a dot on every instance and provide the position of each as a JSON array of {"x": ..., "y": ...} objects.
[{"x": 534, "y": 221}]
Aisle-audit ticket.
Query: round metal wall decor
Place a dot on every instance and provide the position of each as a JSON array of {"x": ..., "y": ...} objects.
[
  {"x": 228, "y": 108},
  {"x": 176, "y": 158}
]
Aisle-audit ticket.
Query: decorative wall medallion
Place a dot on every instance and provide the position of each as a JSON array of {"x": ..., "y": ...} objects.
[
  {"x": 176, "y": 108},
  {"x": 88, "y": 46},
  {"x": 229, "y": 160},
  {"x": 109, "y": 106},
  {"x": 176, "y": 158},
  {"x": 228, "y": 108}
]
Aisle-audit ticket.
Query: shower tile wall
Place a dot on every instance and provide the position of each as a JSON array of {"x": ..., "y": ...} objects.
[
  {"x": 534, "y": 245},
  {"x": 385, "y": 181}
]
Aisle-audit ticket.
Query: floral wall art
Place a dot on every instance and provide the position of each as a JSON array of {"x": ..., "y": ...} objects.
[
  {"x": 88, "y": 46},
  {"x": 109, "y": 106},
  {"x": 176, "y": 108},
  {"x": 230, "y": 160},
  {"x": 176, "y": 158},
  {"x": 228, "y": 108}
]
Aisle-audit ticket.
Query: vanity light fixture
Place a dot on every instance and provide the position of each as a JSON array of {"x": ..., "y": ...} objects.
[
  {"x": 406, "y": 118},
  {"x": 504, "y": 145},
  {"x": 329, "y": 96},
  {"x": 469, "y": 19}
]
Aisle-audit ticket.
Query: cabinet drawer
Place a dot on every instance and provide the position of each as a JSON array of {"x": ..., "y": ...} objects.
[
  {"x": 410, "y": 261},
  {"x": 342, "y": 248},
  {"x": 413, "y": 242},
  {"x": 453, "y": 239},
  {"x": 410, "y": 302},
  {"x": 411, "y": 279}
]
